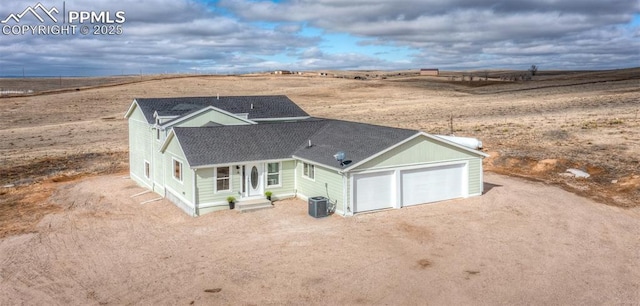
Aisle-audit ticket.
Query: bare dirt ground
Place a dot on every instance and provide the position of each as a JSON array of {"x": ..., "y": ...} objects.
[
  {"x": 519, "y": 243},
  {"x": 536, "y": 130}
]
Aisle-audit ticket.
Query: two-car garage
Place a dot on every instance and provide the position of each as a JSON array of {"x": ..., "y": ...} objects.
[{"x": 405, "y": 187}]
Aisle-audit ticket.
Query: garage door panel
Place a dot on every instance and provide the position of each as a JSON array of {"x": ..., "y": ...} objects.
[
  {"x": 432, "y": 184},
  {"x": 373, "y": 191}
]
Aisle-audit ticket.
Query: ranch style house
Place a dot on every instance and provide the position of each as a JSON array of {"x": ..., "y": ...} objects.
[{"x": 197, "y": 151}]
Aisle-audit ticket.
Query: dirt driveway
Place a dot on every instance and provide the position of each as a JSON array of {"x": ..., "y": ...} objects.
[{"x": 520, "y": 243}]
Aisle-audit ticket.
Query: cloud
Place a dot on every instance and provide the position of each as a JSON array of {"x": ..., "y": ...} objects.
[
  {"x": 250, "y": 35},
  {"x": 158, "y": 36},
  {"x": 455, "y": 29}
]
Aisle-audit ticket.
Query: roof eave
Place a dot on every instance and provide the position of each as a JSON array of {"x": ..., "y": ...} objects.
[
  {"x": 242, "y": 162},
  {"x": 382, "y": 152},
  {"x": 318, "y": 163},
  {"x": 282, "y": 118},
  {"x": 167, "y": 140},
  {"x": 132, "y": 107},
  {"x": 418, "y": 134},
  {"x": 200, "y": 111},
  {"x": 472, "y": 151}
]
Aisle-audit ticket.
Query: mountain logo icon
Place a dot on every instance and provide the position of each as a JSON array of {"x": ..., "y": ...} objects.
[{"x": 34, "y": 11}]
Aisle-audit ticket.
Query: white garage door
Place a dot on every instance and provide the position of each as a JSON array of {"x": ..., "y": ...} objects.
[
  {"x": 432, "y": 184},
  {"x": 373, "y": 191}
]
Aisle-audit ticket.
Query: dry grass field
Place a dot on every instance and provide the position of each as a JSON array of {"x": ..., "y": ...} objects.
[{"x": 536, "y": 130}]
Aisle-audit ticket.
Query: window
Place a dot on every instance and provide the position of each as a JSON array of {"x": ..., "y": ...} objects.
[
  {"x": 157, "y": 134},
  {"x": 177, "y": 170},
  {"x": 273, "y": 174},
  {"x": 309, "y": 171},
  {"x": 223, "y": 182},
  {"x": 147, "y": 169}
]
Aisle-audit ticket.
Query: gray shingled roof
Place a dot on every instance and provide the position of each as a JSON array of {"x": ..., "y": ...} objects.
[
  {"x": 358, "y": 141},
  {"x": 264, "y": 107},
  {"x": 233, "y": 144}
]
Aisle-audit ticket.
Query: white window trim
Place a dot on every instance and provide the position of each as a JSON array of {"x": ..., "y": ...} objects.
[
  {"x": 173, "y": 170},
  {"x": 313, "y": 179},
  {"x": 279, "y": 175},
  {"x": 215, "y": 180},
  {"x": 144, "y": 170}
]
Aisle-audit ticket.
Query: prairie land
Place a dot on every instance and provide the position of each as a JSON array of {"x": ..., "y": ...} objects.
[{"x": 67, "y": 142}]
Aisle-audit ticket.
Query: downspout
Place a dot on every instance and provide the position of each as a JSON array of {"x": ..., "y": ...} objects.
[
  {"x": 152, "y": 172},
  {"x": 345, "y": 178},
  {"x": 481, "y": 178},
  {"x": 163, "y": 177},
  {"x": 295, "y": 179},
  {"x": 196, "y": 210}
]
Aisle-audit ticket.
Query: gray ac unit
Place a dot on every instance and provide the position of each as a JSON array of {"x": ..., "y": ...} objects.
[{"x": 318, "y": 207}]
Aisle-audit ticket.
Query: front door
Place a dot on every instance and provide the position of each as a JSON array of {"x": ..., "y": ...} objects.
[{"x": 254, "y": 180}]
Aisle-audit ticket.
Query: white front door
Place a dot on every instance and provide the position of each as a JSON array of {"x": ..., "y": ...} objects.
[{"x": 254, "y": 180}]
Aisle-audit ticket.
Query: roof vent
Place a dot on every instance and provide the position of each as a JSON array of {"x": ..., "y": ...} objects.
[
  {"x": 309, "y": 145},
  {"x": 251, "y": 105},
  {"x": 340, "y": 157},
  {"x": 218, "y": 96}
]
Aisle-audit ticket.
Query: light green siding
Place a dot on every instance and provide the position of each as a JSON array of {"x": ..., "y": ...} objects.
[
  {"x": 475, "y": 176},
  {"x": 416, "y": 151},
  {"x": 157, "y": 169},
  {"x": 205, "y": 184},
  {"x": 183, "y": 189},
  {"x": 206, "y": 198},
  {"x": 137, "y": 115},
  {"x": 211, "y": 116},
  {"x": 205, "y": 187},
  {"x": 347, "y": 205},
  {"x": 287, "y": 181},
  {"x": 139, "y": 146},
  {"x": 143, "y": 146},
  {"x": 327, "y": 183}
]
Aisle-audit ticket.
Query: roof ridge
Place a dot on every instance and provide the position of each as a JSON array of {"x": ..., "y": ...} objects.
[
  {"x": 200, "y": 97},
  {"x": 266, "y": 106},
  {"x": 257, "y": 125}
]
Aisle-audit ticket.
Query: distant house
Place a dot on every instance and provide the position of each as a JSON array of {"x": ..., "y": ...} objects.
[
  {"x": 283, "y": 72},
  {"x": 198, "y": 151},
  {"x": 429, "y": 71}
]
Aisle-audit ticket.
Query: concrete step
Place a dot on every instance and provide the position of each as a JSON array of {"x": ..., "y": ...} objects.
[
  {"x": 145, "y": 196},
  {"x": 253, "y": 205}
]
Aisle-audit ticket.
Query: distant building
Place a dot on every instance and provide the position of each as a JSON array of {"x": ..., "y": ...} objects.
[
  {"x": 283, "y": 72},
  {"x": 429, "y": 71}
]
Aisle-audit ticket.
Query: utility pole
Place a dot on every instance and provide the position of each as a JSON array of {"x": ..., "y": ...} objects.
[{"x": 451, "y": 124}]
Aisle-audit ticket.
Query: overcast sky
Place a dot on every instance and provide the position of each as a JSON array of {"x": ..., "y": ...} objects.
[{"x": 232, "y": 36}]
